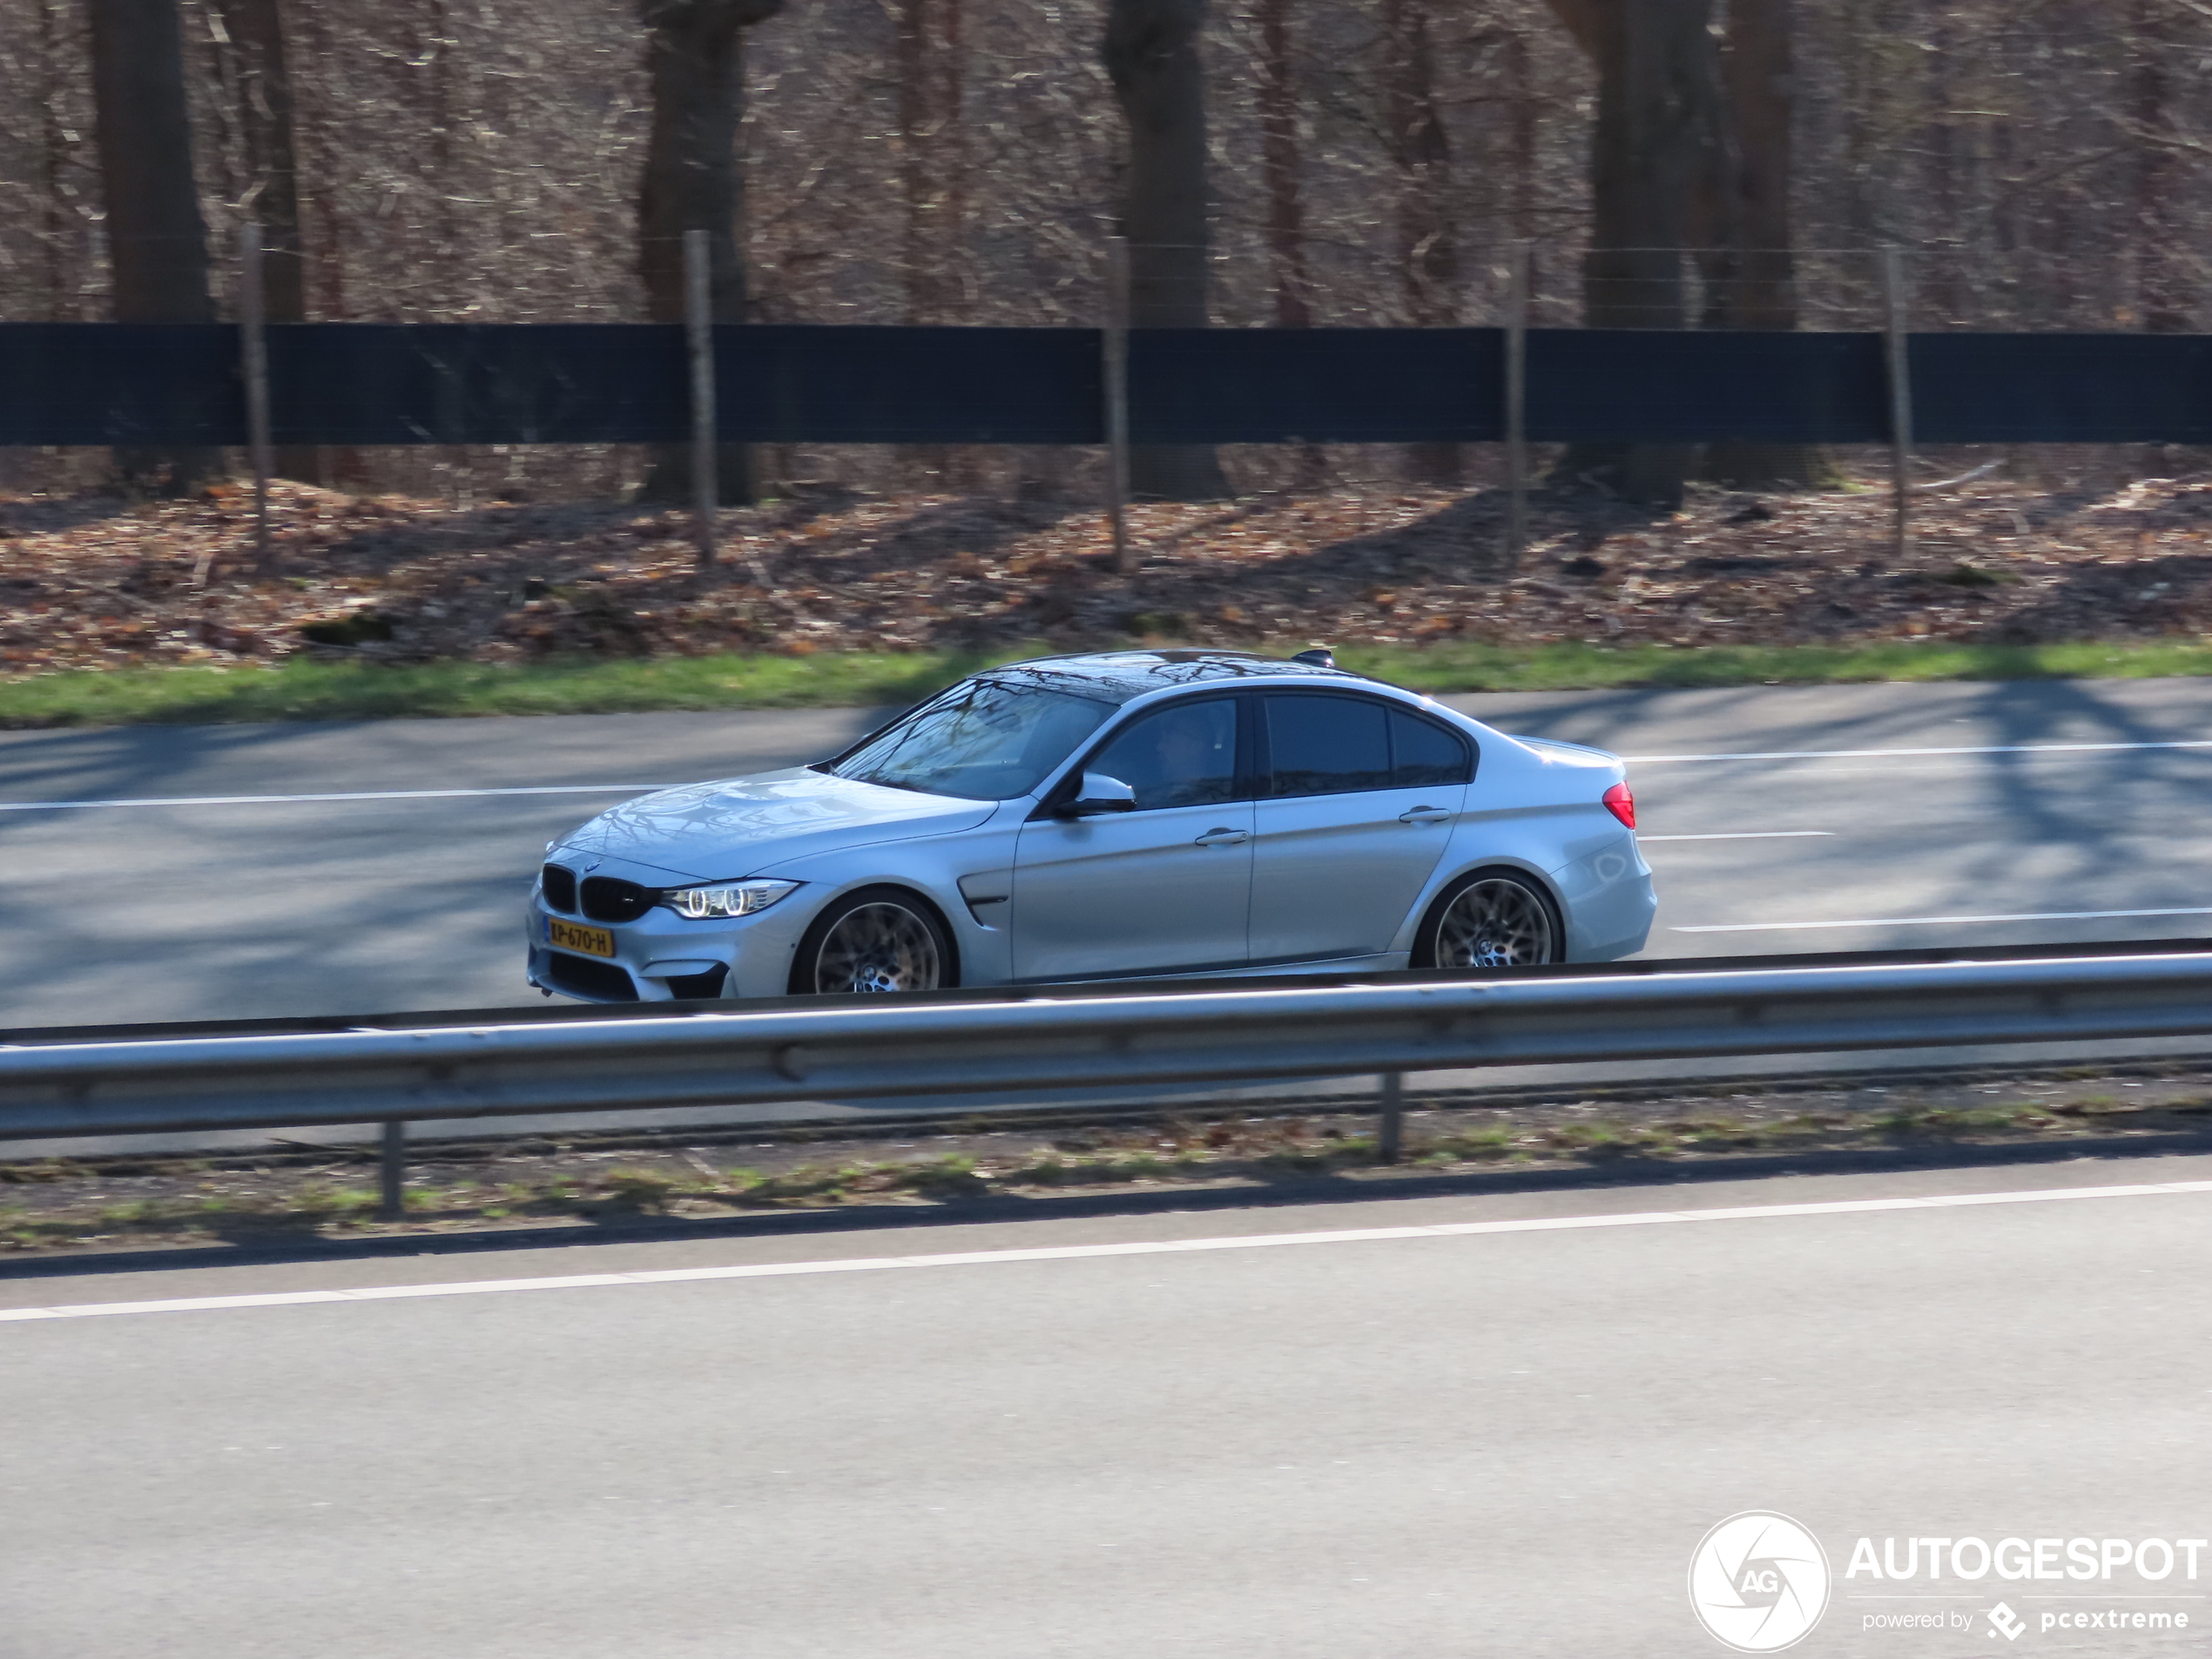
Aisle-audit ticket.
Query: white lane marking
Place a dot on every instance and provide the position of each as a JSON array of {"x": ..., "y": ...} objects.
[
  {"x": 1932, "y": 921},
  {"x": 1734, "y": 835},
  {"x": 1085, "y": 1253},
  {"x": 364, "y": 794},
  {"x": 1868, "y": 754}
]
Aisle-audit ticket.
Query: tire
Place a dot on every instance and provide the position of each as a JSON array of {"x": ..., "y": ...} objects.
[
  {"x": 878, "y": 940},
  {"x": 1491, "y": 919}
]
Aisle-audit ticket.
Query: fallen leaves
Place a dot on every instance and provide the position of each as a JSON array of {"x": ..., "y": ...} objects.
[{"x": 92, "y": 580}]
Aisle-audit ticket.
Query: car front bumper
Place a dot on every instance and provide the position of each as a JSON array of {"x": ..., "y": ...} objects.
[{"x": 662, "y": 958}]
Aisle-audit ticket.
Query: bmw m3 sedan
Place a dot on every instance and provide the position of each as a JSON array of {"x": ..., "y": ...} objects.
[{"x": 1128, "y": 814}]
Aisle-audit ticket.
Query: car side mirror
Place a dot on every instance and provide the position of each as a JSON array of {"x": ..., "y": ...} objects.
[{"x": 1099, "y": 793}]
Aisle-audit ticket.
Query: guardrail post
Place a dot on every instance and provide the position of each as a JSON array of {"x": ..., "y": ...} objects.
[
  {"x": 391, "y": 1199},
  {"x": 699, "y": 339},
  {"x": 1391, "y": 1133},
  {"x": 1114, "y": 370}
]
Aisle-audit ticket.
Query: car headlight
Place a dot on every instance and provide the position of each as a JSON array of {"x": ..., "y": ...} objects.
[{"x": 725, "y": 899}]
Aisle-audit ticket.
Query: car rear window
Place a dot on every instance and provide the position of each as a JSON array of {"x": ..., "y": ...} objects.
[{"x": 1319, "y": 744}]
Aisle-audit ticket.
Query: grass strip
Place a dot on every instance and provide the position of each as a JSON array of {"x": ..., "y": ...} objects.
[
  {"x": 80, "y": 1207},
  {"x": 309, "y": 690}
]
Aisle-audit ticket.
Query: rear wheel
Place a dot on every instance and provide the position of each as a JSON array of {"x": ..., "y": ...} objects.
[
  {"x": 1491, "y": 919},
  {"x": 878, "y": 941}
]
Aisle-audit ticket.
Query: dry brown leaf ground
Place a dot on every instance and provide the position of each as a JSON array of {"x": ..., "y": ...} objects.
[{"x": 92, "y": 581}]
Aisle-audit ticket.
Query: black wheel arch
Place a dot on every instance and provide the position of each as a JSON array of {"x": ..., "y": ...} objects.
[
  {"x": 851, "y": 898},
  {"x": 1423, "y": 953}
]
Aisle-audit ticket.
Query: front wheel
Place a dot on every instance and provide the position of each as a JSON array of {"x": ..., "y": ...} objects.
[
  {"x": 876, "y": 941},
  {"x": 1491, "y": 919}
]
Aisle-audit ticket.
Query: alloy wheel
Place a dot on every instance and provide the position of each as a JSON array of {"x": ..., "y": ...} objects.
[
  {"x": 878, "y": 949},
  {"x": 1495, "y": 923}
]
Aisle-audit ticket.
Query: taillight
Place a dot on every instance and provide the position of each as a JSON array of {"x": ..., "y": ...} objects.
[{"x": 1621, "y": 801}]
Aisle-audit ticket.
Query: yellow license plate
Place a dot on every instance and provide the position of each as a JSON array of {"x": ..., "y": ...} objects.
[{"x": 592, "y": 941}]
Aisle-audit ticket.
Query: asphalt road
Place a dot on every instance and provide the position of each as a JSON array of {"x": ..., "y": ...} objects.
[
  {"x": 1850, "y": 818},
  {"x": 231, "y": 872},
  {"x": 1502, "y": 1442}
]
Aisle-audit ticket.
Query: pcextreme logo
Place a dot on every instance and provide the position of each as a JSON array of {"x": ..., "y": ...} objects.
[{"x": 1759, "y": 1583}]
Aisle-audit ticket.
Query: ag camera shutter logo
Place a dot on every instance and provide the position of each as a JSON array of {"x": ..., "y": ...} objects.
[{"x": 1759, "y": 1583}]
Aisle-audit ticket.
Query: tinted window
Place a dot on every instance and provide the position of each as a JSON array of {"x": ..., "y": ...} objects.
[
  {"x": 1184, "y": 755},
  {"x": 1326, "y": 745},
  {"x": 1424, "y": 753}
]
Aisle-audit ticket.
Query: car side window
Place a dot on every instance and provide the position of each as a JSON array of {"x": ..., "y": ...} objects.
[
  {"x": 1183, "y": 755},
  {"x": 1326, "y": 745},
  {"x": 1423, "y": 754}
]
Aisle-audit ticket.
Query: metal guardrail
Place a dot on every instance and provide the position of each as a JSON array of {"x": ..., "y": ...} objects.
[{"x": 982, "y": 1042}]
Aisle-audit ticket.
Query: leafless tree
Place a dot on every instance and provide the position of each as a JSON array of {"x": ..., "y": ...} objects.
[
  {"x": 157, "y": 239},
  {"x": 2159, "y": 207},
  {"x": 2043, "y": 162},
  {"x": 1428, "y": 232},
  {"x": 692, "y": 181},
  {"x": 1654, "y": 143},
  {"x": 252, "y": 37},
  {"x": 1151, "y": 53},
  {"x": 1751, "y": 275}
]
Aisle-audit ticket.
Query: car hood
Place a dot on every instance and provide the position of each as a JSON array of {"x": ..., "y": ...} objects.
[{"x": 738, "y": 826}]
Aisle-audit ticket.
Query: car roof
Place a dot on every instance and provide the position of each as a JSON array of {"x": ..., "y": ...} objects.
[{"x": 1124, "y": 675}]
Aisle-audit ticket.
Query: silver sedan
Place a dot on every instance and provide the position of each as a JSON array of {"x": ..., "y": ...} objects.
[{"x": 1131, "y": 814}]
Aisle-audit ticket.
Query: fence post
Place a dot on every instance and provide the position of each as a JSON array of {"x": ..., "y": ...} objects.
[
  {"x": 391, "y": 1194},
  {"x": 1897, "y": 364},
  {"x": 699, "y": 341},
  {"x": 254, "y": 353},
  {"x": 1114, "y": 370},
  {"x": 1391, "y": 1131},
  {"x": 1517, "y": 406}
]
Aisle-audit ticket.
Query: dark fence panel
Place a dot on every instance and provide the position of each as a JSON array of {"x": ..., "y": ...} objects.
[
  {"x": 377, "y": 383},
  {"x": 2063, "y": 389},
  {"x": 1618, "y": 385},
  {"x": 867, "y": 385},
  {"x": 1316, "y": 385},
  {"x": 371, "y": 383},
  {"x": 120, "y": 382}
]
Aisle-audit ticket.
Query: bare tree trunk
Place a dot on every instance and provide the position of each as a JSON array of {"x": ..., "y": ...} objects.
[
  {"x": 1279, "y": 134},
  {"x": 1520, "y": 94},
  {"x": 157, "y": 239},
  {"x": 1940, "y": 283},
  {"x": 1151, "y": 55},
  {"x": 1658, "y": 126},
  {"x": 1754, "y": 278},
  {"x": 917, "y": 271},
  {"x": 266, "y": 102},
  {"x": 435, "y": 48},
  {"x": 695, "y": 63},
  {"x": 2161, "y": 296},
  {"x": 323, "y": 228},
  {"x": 1289, "y": 277},
  {"x": 53, "y": 163},
  {"x": 934, "y": 184},
  {"x": 1428, "y": 250}
]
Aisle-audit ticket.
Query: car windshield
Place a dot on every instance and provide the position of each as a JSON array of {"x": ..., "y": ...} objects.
[{"x": 982, "y": 740}]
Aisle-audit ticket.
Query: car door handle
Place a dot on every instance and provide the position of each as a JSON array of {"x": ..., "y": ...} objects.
[
  {"x": 1424, "y": 815},
  {"x": 1222, "y": 837}
]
